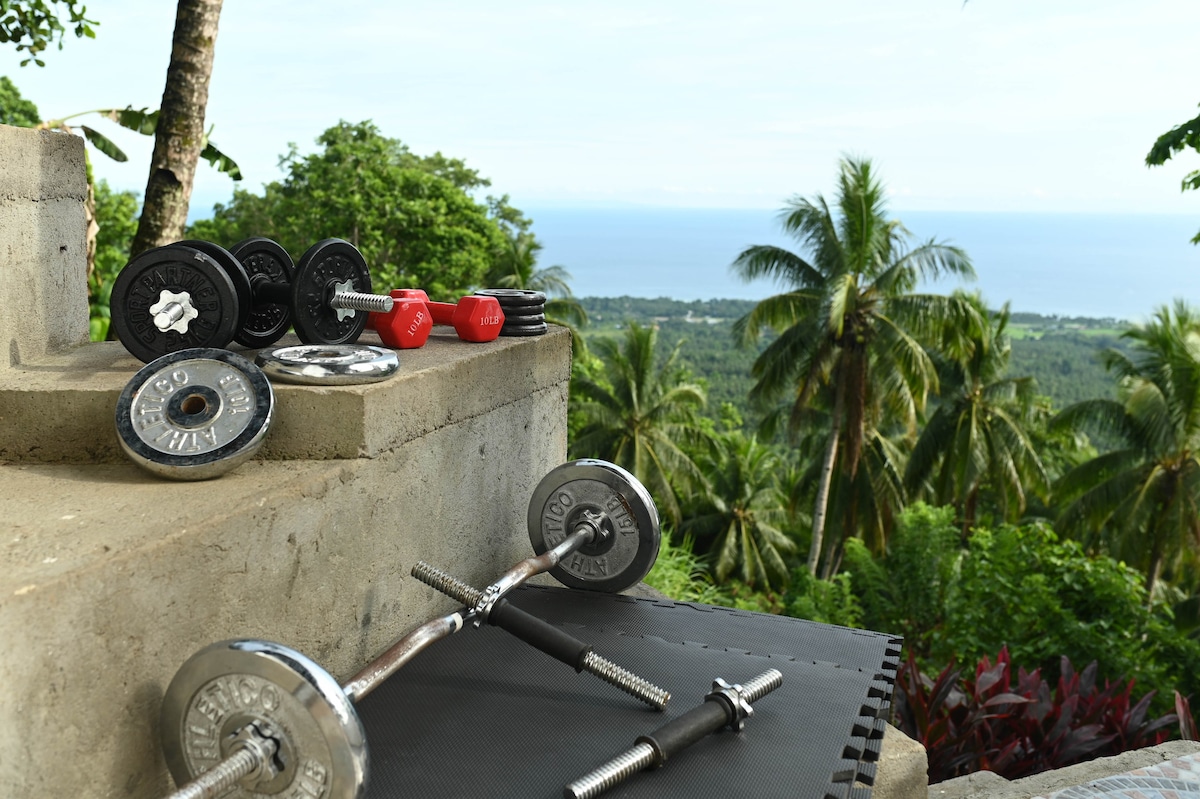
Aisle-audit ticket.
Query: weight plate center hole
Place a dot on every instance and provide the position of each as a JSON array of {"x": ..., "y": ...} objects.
[
  {"x": 284, "y": 760},
  {"x": 193, "y": 406},
  {"x": 608, "y": 534}
]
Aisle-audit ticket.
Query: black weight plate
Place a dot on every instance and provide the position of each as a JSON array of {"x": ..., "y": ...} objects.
[
  {"x": 327, "y": 264},
  {"x": 524, "y": 319},
  {"x": 525, "y": 330},
  {"x": 266, "y": 262},
  {"x": 202, "y": 285},
  {"x": 583, "y": 487},
  {"x": 514, "y": 298},
  {"x": 233, "y": 268}
]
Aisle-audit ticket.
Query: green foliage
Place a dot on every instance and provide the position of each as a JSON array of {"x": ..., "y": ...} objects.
[
  {"x": 116, "y": 216},
  {"x": 1022, "y": 588},
  {"x": 742, "y": 510},
  {"x": 33, "y": 25},
  {"x": 977, "y": 443},
  {"x": 1141, "y": 500},
  {"x": 412, "y": 217},
  {"x": 15, "y": 109},
  {"x": 850, "y": 326},
  {"x": 1184, "y": 136},
  {"x": 680, "y": 574},
  {"x": 641, "y": 416},
  {"x": 906, "y": 591},
  {"x": 830, "y": 601}
]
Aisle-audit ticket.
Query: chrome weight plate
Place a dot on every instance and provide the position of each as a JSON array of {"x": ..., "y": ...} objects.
[
  {"x": 194, "y": 414},
  {"x": 628, "y": 516},
  {"x": 227, "y": 685},
  {"x": 328, "y": 364}
]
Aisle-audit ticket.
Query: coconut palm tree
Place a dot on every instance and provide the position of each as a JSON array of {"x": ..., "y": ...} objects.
[
  {"x": 1142, "y": 499},
  {"x": 851, "y": 321},
  {"x": 640, "y": 415},
  {"x": 978, "y": 435},
  {"x": 744, "y": 511}
]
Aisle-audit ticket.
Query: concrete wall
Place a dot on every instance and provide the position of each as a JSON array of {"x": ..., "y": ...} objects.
[
  {"x": 111, "y": 578},
  {"x": 42, "y": 260}
]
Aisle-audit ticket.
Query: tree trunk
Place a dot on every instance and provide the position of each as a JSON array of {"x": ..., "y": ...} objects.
[
  {"x": 1156, "y": 559},
  {"x": 822, "y": 504},
  {"x": 179, "y": 137}
]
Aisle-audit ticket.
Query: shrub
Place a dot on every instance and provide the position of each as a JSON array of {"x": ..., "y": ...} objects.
[
  {"x": 988, "y": 722},
  {"x": 1022, "y": 589}
]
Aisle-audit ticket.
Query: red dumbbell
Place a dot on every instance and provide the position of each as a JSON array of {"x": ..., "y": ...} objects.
[
  {"x": 474, "y": 317},
  {"x": 406, "y": 326}
]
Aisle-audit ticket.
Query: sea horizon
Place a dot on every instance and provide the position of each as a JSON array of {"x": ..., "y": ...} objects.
[{"x": 1067, "y": 264}]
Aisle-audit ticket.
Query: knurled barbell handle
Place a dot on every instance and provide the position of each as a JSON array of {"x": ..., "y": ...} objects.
[
  {"x": 542, "y": 635},
  {"x": 359, "y": 301},
  {"x": 715, "y": 712},
  {"x": 221, "y": 778}
]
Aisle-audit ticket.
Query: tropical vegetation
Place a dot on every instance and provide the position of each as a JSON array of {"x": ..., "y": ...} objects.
[{"x": 854, "y": 449}]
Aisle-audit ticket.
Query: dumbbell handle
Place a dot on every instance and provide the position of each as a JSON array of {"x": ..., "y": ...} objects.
[
  {"x": 725, "y": 706},
  {"x": 281, "y": 294},
  {"x": 542, "y": 635}
]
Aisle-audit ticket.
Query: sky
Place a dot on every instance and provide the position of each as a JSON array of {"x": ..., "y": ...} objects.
[{"x": 992, "y": 105}]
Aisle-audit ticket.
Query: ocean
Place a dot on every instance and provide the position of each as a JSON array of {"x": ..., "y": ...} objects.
[{"x": 1122, "y": 266}]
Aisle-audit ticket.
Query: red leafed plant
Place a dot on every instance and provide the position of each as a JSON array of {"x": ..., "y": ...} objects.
[{"x": 988, "y": 723}]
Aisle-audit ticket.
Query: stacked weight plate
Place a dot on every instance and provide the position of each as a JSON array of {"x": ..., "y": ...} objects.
[{"x": 524, "y": 311}]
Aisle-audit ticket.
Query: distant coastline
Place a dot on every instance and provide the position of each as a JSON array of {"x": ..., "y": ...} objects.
[{"x": 1094, "y": 266}]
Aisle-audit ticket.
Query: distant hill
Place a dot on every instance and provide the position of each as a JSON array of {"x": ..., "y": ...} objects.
[{"x": 1061, "y": 353}]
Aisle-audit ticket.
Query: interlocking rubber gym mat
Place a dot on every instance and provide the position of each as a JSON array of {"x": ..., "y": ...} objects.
[{"x": 481, "y": 714}]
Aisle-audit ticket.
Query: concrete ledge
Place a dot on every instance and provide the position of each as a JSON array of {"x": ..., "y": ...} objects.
[
  {"x": 992, "y": 786},
  {"x": 59, "y": 409},
  {"x": 111, "y": 578}
]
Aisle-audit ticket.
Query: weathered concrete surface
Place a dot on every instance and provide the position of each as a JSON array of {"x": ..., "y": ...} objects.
[
  {"x": 59, "y": 409},
  {"x": 111, "y": 578},
  {"x": 43, "y": 264},
  {"x": 992, "y": 786},
  {"x": 902, "y": 772}
]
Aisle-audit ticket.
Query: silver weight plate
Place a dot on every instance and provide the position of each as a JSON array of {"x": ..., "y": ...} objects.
[
  {"x": 627, "y": 513},
  {"x": 329, "y": 364},
  {"x": 225, "y": 686},
  {"x": 194, "y": 414}
]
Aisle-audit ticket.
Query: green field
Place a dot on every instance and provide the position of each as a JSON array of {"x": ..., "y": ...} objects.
[{"x": 1060, "y": 353}]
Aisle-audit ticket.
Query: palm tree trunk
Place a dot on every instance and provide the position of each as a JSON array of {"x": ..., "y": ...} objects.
[
  {"x": 1156, "y": 559},
  {"x": 822, "y": 505},
  {"x": 180, "y": 134}
]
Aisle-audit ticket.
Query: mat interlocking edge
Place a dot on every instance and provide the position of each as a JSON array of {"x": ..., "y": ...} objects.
[{"x": 482, "y": 714}]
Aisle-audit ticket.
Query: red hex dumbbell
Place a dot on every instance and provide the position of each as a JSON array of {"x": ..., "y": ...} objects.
[
  {"x": 474, "y": 317},
  {"x": 406, "y": 326}
]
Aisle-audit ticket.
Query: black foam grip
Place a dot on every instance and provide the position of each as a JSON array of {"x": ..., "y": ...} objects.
[
  {"x": 538, "y": 633},
  {"x": 678, "y": 734}
]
